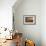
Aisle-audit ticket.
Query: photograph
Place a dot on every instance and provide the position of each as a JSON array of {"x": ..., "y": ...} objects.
[{"x": 29, "y": 19}]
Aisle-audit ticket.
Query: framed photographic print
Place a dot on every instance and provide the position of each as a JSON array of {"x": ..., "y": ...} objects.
[{"x": 29, "y": 19}]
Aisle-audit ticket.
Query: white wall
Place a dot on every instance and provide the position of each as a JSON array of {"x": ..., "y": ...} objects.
[
  {"x": 43, "y": 22},
  {"x": 30, "y": 7},
  {"x": 6, "y": 16},
  {"x": 6, "y": 13}
]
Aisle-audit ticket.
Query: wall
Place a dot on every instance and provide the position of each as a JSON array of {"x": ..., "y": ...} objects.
[
  {"x": 6, "y": 13},
  {"x": 29, "y": 7},
  {"x": 43, "y": 22},
  {"x": 6, "y": 17}
]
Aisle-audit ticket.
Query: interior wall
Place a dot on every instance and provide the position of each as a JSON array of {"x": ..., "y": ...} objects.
[
  {"x": 6, "y": 13},
  {"x": 6, "y": 17},
  {"x": 43, "y": 22},
  {"x": 28, "y": 7}
]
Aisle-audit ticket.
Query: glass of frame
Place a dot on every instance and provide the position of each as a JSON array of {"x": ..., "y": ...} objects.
[{"x": 29, "y": 19}]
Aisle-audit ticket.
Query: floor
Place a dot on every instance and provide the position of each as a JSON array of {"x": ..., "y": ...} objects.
[{"x": 9, "y": 43}]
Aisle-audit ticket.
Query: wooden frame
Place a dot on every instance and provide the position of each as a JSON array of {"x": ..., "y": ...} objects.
[{"x": 29, "y": 19}]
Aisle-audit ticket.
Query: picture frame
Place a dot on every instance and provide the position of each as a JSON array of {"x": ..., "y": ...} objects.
[{"x": 29, "y": 19}]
